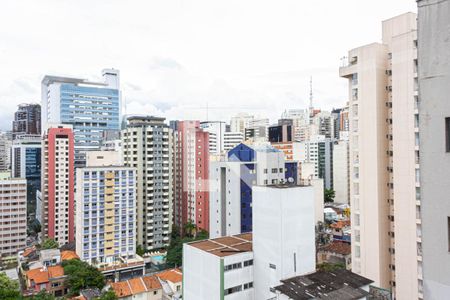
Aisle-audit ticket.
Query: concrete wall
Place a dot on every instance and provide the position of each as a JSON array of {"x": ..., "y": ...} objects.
[
  {"x": 434, "y": 89},
  {"x": 283, "y": 235}
]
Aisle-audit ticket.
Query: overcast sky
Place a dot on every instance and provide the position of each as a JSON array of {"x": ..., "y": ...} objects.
[{"x": 176, "y": 57}]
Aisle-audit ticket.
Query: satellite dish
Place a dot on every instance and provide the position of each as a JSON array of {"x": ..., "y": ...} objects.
[{"x": 291, "y": 180}]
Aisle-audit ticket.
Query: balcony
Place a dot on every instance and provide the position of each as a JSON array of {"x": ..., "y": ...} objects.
[{"x": 348, "y": 66}]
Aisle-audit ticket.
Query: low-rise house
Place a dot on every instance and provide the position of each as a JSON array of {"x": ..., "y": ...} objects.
[
  {"x": 49, "y": 278},
  {"x": 335, "y": 253},
  {"x": 141, "y": 288},
  {"x": 341, "y": 231},
  {"x": 172, "y": 283}
]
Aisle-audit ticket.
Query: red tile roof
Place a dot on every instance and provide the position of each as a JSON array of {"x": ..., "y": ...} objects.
[
  {"x": 172, "y": 275},
  {"x": 337, "y": 247},
  {"x": 121, "y": 288},
  {"x": 340, "y": 224},
  {"x": 135, "y": 286},
  {"x": 68, "y": 255},
  {"x": 39, "y": 275},
  {"x": 55, "y": 271}
]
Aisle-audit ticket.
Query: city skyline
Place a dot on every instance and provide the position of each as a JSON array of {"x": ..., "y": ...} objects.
[{"x": 178, "y": 61}]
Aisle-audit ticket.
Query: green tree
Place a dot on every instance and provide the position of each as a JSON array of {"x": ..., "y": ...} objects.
[
  {"x": 328, "y": 195},
  {"x": 328, "y": 267},
  {"x": 50, "y": 244},
  {"x": 9, "y": 289},
  {"x": 108, "y": 295},
  {"x": 43, "y": 295},
  {"x": 81, "y": 275},
  {"x": 190, "y": 229},
  {"x": 174, "y": 256},
  {"x": 140, "y": 250}
]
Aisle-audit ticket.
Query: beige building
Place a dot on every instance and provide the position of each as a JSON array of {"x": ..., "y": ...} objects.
[
  {"x": 13, "y": 214},
  {"x": 384, "y": 170}
]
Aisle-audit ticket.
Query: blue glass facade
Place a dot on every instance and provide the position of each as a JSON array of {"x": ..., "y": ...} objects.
[
  {"x": 291, "y": 170},
  {"x": 90, "y": 110}
]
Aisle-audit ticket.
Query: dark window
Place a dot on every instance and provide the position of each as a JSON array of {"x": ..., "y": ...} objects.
[
  {"x": 447, "y": 134},
  {"x": 448, "y": 229}
]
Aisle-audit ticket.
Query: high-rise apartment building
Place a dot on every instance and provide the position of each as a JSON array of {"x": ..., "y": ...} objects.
[
  {"x": 191, "y": 174},
  {"x": 220, "y": 139},
  {"x": 240, "y": 122},
  {"x": 27, "y": 120},
  {"x": 105, "y": 209},
  {"x": 434, "y": 91},
  {"x": 5, "y": 151},
  {"x": 257, "y": 130},
  {"x": 231, "y": 183},
  {"x": 57, "y": 184},
  {"x": 384, "y": 159},
  {"x": 147, "y": 145},
  {"x": 299, "y": 119},
  {"x": 26, "y": 163},
  {"x": 90, "y": 107},
  {"x": 13, "y": 215},
  {"x": 318, "y": 150}
]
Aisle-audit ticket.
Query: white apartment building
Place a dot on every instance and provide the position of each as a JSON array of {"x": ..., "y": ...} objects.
[
  {"x": 300, "y": 120},
  {"x": 105, "y": 209},
  {"x": 13, "y": 214},
  {"x": 231, "y": 139},
  {"x": 250, "y": 266},
  {"x": 147, "y": 144},
  {"x": 318, "y": 150},
  {"x": 5, "y": 151},
  {"x": 384, "y": 169},
  {"x": 240, "y": 122},
  {"x": 230, "y": 188},
  {"x": 434, "y": 91},
  {"x": 221, "y": 140},
  {"x": 341, "y": 171}
]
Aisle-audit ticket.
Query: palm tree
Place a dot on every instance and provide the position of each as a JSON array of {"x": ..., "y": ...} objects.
[{"x": 190, "y": 229}]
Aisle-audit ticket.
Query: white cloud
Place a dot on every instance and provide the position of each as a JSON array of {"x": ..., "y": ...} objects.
[{"x": 177, "y": 55}]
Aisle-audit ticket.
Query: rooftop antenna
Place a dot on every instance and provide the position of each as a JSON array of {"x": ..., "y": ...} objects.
[{"x": 311, "y": 107}]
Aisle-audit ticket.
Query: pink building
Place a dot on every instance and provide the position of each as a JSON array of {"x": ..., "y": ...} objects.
[
  {"x": 58, "y": 184},
  {"x": 191, "y": 175}
]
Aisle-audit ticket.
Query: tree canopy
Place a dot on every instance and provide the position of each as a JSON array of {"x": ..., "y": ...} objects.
[
  {"x": 108, "y": 295},
  {"x": 81, "y": 275},
  {"x": 329, "y": 195},
  {"x": 174, "y": 255},
  {"x": 49, "y": 244},
  {"x": 9, "y": 289}
]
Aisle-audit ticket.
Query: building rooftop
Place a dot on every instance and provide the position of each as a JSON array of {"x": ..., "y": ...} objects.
[
  {"x": 135, "y": 286},
  {"x": 172, "y": 275},
  {"x": 336, "y": 285},
  {"x": 68, "y": 255},
  {"x": 337, "y": 247},
  {"x": 226, "y": 246}
]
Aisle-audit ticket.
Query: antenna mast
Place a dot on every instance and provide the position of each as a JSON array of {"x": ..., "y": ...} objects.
[{"x": 311, "y": 107}]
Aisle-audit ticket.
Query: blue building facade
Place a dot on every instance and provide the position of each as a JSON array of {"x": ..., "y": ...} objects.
[{"x": 248, "y": 177}]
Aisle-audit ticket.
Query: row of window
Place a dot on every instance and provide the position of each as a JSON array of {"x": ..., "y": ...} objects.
[{"x": 235, "y": 266}]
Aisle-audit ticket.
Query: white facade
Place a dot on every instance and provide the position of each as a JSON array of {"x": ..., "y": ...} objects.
[
  {"x": 383, "y": 152},
  {"x": 5, "y": 152},
  {"x": 105, "y": 210},
  {"x": 225, "y": 188},
  {"x": 216, "y": 131},
  {"x": 341, "y": 178},
  {"x": 231, "y": 139},
  {"x": 240, "y": 122},
  {"x": 218, "y": 274},
  {"x": 283, "y": 235}
]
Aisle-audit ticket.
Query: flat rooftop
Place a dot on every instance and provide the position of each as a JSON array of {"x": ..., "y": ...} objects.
[
  {"x": 227, "y": 245},
  {"x": 336, "y": 285}
]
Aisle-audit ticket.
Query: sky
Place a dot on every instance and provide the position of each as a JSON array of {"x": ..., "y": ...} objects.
[{"x": 189, "y": 59}]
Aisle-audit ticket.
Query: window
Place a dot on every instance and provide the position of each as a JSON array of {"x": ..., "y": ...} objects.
[
  {"x": 248, "y": 263},
  {"x": 447, "y": 134},
  {"x": 448, "y": 229},
  {"x": 272, "y": 266},
  {"x": 248, "y": 285},
  {"x": 233, "y": 267},
  {"x": 232, "y": 290}
]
